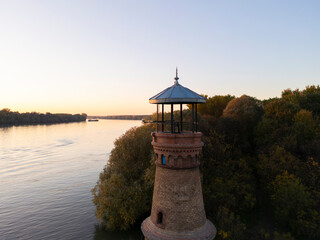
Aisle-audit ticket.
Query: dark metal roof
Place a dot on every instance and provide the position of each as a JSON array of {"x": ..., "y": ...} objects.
[{"x": 177, "y": 94}]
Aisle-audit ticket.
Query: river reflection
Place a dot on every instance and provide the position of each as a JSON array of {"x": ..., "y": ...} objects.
[{"x": 46, "y": 174}]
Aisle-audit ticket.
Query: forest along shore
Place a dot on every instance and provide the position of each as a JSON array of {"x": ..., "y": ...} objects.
[
  {"x": 260, "y": 168},
  {"x": 7, "y": 117}
]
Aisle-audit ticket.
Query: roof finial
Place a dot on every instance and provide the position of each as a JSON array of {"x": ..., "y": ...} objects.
[{"x": 176, "y": 78}]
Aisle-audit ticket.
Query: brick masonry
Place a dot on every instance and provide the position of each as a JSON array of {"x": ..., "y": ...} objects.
[{"x": 177, "y": 192}]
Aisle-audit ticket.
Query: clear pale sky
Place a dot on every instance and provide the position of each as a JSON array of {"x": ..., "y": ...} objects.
[{"x": 110, "y": 57}]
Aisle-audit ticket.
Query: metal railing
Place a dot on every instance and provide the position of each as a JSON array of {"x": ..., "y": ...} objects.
[{"x": 178, "y": 127}]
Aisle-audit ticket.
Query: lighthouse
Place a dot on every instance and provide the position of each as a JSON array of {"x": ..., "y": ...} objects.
[{"x": 177, "y": 206}]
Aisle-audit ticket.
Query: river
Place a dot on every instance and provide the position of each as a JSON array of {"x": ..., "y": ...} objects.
[{"x": 46, "y": 175}]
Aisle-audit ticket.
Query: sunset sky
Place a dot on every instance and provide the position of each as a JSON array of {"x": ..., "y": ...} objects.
[{"x": 110, "y": 57}]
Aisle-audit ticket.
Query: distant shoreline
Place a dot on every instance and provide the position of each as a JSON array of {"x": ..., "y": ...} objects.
[
  {"x": 9, "y": 118},
  {"x": 122, "y": 117}
]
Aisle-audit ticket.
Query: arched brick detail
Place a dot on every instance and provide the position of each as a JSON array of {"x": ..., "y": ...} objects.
[{"x": 180, "y": 150}]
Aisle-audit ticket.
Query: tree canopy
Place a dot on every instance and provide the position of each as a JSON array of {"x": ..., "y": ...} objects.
[
  {"x": 260, "y": 168},
  {"x": 124, "y": 190}
]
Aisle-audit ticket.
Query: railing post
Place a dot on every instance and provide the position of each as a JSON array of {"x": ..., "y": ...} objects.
[
  {"x": 162, "y": 113},
  {"x": 196, "y": 117},
  {"x": 172, "y": 127},
  {"x": 192, "y": 117},
  {"x": 157, "y": 118},
  {"x": 181, "y": 117}
]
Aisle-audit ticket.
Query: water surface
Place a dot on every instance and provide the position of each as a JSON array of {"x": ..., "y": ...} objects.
[{"x": 46, "y": 174}]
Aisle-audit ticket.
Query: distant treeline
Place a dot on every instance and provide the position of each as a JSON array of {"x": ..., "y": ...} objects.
[
  {"x": 16, "y": 118},
  {"x": 124, "y": 117}
]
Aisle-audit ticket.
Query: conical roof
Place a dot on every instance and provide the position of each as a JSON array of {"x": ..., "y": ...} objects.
[{"x": 177, "y": 94}]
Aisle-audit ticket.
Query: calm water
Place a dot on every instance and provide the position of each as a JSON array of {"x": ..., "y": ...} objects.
[{"x": 46, "y": 174}]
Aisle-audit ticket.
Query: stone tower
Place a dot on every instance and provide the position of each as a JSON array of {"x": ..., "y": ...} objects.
[{"x": 177, "y": 206}]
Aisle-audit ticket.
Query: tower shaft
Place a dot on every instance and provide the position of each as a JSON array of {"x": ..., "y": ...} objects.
[{"x": 177, "y": 206}]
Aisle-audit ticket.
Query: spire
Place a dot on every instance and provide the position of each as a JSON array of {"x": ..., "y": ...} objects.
[{"x": 176, "y": 78}]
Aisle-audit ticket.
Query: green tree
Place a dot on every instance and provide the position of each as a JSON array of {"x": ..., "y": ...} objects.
[
  {"x": 246, "y": 109},
  {"x": 294, "y": 206},
  {"x": 281, "y": 110},
  {"x": 283, "y": 236},
  {"x": 308, "y": 99},
  {"x": 214, "y": 106},
  {"x": 124, "y": 190},
  {"x": 238, "y": 121},
  {"x": 304, "y": 126},
  {"x": 230, "y": 226},
  {"x": 260, "y": 168},
  {"x": 275, "y": 163}
]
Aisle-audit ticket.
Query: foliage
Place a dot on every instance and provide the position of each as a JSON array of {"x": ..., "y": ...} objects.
[
  {"x": 123, "y": 192},
  {"x": 308, "y": 99},
  {"x": 245, "y": 109},
  {"x": 304, "y": 127},
  {"x": 283, "y": 236},
  {"x": 214, "y": 105},
  {"x": 226, "y": 182},
  {"x": 260, "y": 168},
  {"x": 275, "y": 163},
  {"x": 293, "y": 205},
  {"x": 287, "y": 140},
  {"x": 15, "y": 118},
  {"x": 229, "y": 226},
  {"x": 281, "y": 110}
]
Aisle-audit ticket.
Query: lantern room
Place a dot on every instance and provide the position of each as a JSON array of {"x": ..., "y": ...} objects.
[{"x": 176, "y": 95}]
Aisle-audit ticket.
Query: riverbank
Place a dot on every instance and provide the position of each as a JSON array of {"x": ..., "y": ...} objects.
[{"x": 7, "y": 117}]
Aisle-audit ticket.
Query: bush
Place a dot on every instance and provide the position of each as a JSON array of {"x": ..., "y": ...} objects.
[{"x": 123, "y": 193}]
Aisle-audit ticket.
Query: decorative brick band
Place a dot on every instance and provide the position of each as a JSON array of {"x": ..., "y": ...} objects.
[{"x": 177, "y": 151}]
